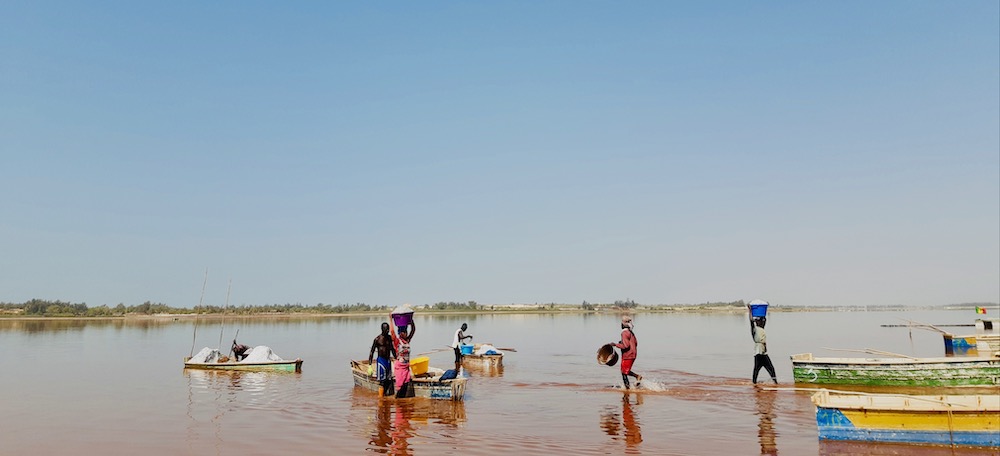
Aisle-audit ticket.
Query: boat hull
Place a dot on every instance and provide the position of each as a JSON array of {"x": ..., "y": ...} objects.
[
  {"x": 914, "y": 372},
  {"x": 488, "y": 362},
  {"x": 928, "y": 420},
  {"x": 275, "y": 366},
  {"x": 426, "y": 387}
]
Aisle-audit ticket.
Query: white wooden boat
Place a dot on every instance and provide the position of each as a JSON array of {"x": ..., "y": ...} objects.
[
  {"x": 988, "y": 335},
  {"x": 281, "y": 366},
  {"x": 484, "y": 362},
  {"x": 428, "y": 385},
  {"x": 211, "y": 359}
]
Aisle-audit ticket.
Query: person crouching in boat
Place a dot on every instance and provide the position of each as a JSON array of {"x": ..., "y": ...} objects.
[
  {"x": 401, "y": 368},
  {"x": 381, "y": 369},
  {"x": 629, "y": 346},
  {"x": 239, "y": 351}
]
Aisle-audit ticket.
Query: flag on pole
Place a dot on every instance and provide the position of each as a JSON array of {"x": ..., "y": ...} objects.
[{"x": 980, "y": 310}]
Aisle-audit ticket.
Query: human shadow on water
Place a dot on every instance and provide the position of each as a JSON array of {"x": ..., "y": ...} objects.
[
  {"x": 624, "y": 426},
  {"x": 765, "y": 427}
]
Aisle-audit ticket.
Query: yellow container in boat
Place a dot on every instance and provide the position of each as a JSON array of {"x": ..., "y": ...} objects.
[{"x": 419, "y": 365}]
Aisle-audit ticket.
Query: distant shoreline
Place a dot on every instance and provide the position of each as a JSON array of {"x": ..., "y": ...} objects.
[{"x": 540, "y": 310}]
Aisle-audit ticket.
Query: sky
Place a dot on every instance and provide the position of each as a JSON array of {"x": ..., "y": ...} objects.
[{"x": 805, "y": 153}]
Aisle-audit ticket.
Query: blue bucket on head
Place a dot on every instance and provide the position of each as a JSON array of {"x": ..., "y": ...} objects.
[
  {"x": 758, "y": 310},
  {"x": 466, "y": 349}
]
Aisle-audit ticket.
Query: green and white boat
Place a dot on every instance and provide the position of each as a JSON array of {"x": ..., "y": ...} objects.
[
  {"x": 260, "y": 358},
  {"x": 912, "y": 372}
]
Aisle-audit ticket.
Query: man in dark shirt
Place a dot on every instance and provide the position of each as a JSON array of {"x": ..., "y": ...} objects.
[{"x": 239, "y": 351}]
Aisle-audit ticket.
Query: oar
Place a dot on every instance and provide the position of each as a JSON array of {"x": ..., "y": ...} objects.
[
  {"x": 433, "y": 351},
  {"x": 924, "y": 326},
  {"x": 870, "y": 352},
  {"x": 507, "y": 349},
  {"x": 234, "y": 342},
  {"x": 880, "y": 352}
]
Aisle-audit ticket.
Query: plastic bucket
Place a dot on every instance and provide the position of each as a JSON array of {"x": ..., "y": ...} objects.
[
  {"x": 466, "y": 349},
  {"x": 758, "y": 310},
  {"x": 402, "y": 319},
  {"x": 419, "y": 365},
  {"x": 606, "y": 355}
]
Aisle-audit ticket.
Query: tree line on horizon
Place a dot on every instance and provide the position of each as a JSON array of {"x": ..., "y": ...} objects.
[{"x": 57, "y": 308}]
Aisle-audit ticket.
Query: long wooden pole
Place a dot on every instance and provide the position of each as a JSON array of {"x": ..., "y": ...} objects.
[
  {"x": 925, "y": 325},
  {"x": 870, "y": 352},
  {"x": 200, "y": 300},
  {"x": 222, "y": 325}
]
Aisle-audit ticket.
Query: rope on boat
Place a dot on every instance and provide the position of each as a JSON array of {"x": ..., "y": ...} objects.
[{"x": 951, "y": 427}]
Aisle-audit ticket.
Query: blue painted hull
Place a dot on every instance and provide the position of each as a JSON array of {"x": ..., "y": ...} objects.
[{"x": 834, "y": 425}]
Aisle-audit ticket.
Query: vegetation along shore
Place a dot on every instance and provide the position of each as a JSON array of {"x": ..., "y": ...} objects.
[{"x": 40, "y": 308}]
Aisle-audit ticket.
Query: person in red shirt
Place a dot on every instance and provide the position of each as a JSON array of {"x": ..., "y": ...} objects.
[{"x": 629, "y": 346}]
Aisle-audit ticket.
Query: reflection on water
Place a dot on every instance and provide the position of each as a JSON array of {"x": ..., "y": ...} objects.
[
  {"x": 213, "y": 394},
  {"x": 624, "y": 426},
  {"x": 52, "y": 324},
  {"x": 230, "y": 381},
  {"x": 483, "y": 371},
  {"x": 391, "y": 423},
  {"x": 844, "y": 448},
  {"x": 545, "y": 401},
  {"x": 765, "y": 427}
]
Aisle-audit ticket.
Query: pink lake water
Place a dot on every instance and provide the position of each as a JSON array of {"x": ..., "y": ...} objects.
[{"x": 118, "y": 387}]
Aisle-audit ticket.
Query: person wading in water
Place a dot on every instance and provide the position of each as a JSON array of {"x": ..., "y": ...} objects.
[
  {"x": 381, "y": 369},
  {"x": 401, "y": 368},
  {"x": 457, "y": 345},
  {"x": 760, "y": 358},
  {"x": 629, "y": 346}
]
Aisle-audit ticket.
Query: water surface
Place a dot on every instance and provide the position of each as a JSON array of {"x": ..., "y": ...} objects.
[{"x": 118, "y": 387}]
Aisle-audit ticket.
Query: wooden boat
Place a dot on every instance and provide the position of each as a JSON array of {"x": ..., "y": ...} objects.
[
  {"x": 232, "y": 365},
  {"x": 428, "y": 385},
  {"x": 968, "y": 420},
  {"x": 485, "y": 362},
  {"x": 919, "y": 372},
  {"x": 959, "y": 345},
  {"x": 260, "y": 358},
  {"x": 988, "y": 335},
  {"x": 986, "y": 340}
]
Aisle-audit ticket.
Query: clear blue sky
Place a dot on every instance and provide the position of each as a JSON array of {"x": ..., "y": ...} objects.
[{"x": 807, "y": 153}]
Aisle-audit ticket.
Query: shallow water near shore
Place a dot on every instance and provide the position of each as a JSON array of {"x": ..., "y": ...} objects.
[{"x": 118, "y": 387}]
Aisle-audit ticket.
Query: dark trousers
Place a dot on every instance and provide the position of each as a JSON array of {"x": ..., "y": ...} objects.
[
  {"x": 764, "y": 361},
  {"x": 388, "y": 387}
]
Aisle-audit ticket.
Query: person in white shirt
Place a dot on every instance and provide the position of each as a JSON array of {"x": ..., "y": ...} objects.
[
  {"x": 457, "y": 345},
  {"x": 760, "y": 358}
]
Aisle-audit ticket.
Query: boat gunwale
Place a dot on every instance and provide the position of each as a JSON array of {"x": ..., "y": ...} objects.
[
  {"x": 808, "y": 358},
  {"x": 961, "y": 403},
  {"x": 294, "y": 364}
]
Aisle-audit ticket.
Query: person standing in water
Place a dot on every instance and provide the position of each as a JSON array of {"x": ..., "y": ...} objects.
[
  {"x": 457, "y": 345},
  {"x": 401, "y": 368},
  {"x": 629, "y": 346},
  {"x": 760, "y": 358},
  {"x": 381, "y": 369}
]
